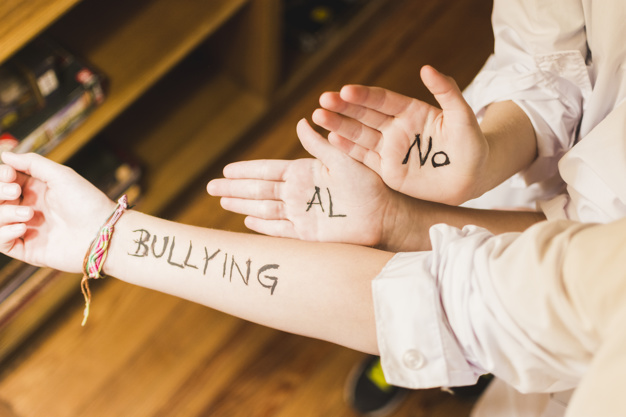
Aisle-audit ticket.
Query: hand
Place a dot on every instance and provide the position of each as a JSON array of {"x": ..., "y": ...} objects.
[
  {"x": 49, "y": 214},
  {"x": 332, "y": 198},
  {"x": 417, "y": 149}
]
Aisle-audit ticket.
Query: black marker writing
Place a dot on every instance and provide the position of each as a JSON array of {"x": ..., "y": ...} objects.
[
  {"x": 438, "y": 159},
  {"x": 272, "y": 279},
  {"x": 165, "y": 240},
  {"x": 150, "y": 246},
  {"x": 169, "y": 258},
  {"x": 331, "y": 214},
  {"x": 142, "y": 248},
  {"x": 317, "y": 199},
  {"x": 208, "y": 258},
  {"x": 442, "y": 161},
  {"x": 233, "y": 264}
]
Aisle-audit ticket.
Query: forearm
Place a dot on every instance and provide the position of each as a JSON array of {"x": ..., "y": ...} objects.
[
  {"x": 511, "y": 140},
  {"x": 314, "y": 289},
  {"x": 409, "y": 224}
]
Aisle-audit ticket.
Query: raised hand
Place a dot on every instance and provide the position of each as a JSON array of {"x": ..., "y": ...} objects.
[
  {"x": 332, "y": 198},
  {"x": 417, "y": 149},
  {"x": 48, "y": 214}
]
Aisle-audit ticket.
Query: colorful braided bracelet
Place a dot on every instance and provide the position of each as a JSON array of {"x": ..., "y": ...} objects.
[{"x": 97, "y": 253}]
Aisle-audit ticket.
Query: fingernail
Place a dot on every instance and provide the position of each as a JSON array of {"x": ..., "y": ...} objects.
[
  {"x": 23, "y": 211},
  {"x": 11, "y": 189}
]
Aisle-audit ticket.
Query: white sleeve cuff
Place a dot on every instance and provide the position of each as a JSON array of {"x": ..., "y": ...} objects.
[
  {"x": 417, "y": 347},
  {"x": 550, "y": 89}
]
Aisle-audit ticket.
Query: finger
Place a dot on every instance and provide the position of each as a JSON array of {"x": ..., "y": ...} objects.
[
  {"x": 315, "y": 144},
  {"x": 348, "y": 128},
  {"x": 9, "y": 191},
  {"x": 371, "y": 118},
  {"x": 9, "y": 235},
  {"x": 249, "y": 189},
  {"x": 365, "y": 156},
  {"x": 444, "y": 89},
  {"x": 262, "y": 169},
  {"x": 35, "y": 165},
  {"x": 278, "y": 228},
  {"x": 15, "y": 214},
  {"x": 266, "y": 209},
  {"x": 7, "y": 173},
  {"x": 375, "y": 98}
]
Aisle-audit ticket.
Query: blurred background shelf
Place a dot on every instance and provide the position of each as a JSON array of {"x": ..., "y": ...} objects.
[
  {"x": 144, "y": 353},
  {"x": 186, "y": 81}
]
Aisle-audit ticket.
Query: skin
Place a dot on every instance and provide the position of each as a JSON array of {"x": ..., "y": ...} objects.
[
  {"x": 321, "y": 290},
  {"x": 377, "y": 127},
  {"x": 274, "y": 195},
  {"x": 50, "y": 215}
]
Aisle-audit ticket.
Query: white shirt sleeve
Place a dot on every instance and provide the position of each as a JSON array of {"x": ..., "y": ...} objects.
[
  {"x": 479, "y": 303},
  {"x": 539, "y": 63},
  {"x": 594, "y": 171}
]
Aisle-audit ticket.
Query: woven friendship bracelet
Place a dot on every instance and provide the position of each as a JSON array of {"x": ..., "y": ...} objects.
[{"x": 97, "y": 253}]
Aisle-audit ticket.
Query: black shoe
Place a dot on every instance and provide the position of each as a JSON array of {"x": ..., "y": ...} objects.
[
  {"x": 368, "y": 392},
  {"x": 473, "y": 391}
]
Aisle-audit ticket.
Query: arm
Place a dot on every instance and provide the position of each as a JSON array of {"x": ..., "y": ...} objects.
[
  {"x": 512, "y": 142},
  {"x": 526, "y": 307},
  {"x": 539, "y": 62},
  {"x": 409, "y": 226},
  {"x": 318, "y": 290}
]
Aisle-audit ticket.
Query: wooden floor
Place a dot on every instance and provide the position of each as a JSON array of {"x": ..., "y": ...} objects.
[{"x": 148, "y": 354}]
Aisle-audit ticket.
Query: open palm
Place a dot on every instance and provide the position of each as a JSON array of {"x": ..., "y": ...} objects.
[
  {"x": 417, "y": 149},
  {"x": 332, "y": 198}
]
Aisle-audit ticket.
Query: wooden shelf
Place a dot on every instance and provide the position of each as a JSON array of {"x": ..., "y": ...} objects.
[
  {"x": 300, "y": 67},
  {"x": 135, "y": 44},
  {"x": 136, "y": 52},
  {"x": 177, "y": 114},
  {"x": 23, "y": 20},
  {"x": 38, "y": 297},
  {"x": 173, "y": 139}
]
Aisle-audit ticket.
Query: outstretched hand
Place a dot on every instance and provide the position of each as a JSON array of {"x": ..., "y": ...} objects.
[
  {"x": 48, "y": 213},
  {"x": 417, "y": 149},
  {"x": 332, "y": 198}
]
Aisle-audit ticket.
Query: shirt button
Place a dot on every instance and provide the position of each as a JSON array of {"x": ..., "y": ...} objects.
[{"x": 413, "y": 359}]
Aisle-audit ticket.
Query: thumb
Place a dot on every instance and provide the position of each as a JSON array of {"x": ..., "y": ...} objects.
[
  {"x": 444, "y": 88},
  {"x": 315, "y": 144}
]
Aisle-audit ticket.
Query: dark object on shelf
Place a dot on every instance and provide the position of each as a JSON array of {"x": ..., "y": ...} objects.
[
  {"x": 308, "y": 23},
  {"x": 26, "y": 81},
  {"x": 45, "y": 92},
  {"x": 112, "y": 170}
]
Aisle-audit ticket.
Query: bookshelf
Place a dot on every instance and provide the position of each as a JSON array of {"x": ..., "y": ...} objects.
[{"x": 151, "y": 107}]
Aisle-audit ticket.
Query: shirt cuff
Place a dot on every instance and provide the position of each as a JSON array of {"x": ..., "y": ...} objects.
[
  {"x": 550, "y": 89},
  {"x": 417, "y": 347}
]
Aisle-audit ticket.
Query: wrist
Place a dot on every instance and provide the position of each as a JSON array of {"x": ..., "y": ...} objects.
[
  {"x": 406, "y": 225},
  {"x": 511, "y": 143}
]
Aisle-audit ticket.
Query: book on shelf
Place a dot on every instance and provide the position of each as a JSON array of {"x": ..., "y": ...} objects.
[
  {"x": 45, "y": 93},
  {"x": 29, "y": 295}
]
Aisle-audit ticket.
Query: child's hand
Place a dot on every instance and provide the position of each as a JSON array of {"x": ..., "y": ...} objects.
[
  {"x": 420, "y": 150},
  {"x": 332, "y": 198},
  {"x": 48, "y": 213}
]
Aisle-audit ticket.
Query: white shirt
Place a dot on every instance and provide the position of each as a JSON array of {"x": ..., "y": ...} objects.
[
  {"x": 564, "y": 63},
  {"x": 480, "y": 303}
]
